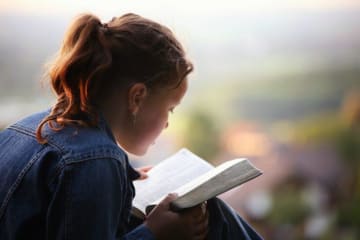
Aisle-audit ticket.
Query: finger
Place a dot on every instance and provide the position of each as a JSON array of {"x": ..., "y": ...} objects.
[
  {"x": 142, "y": 176},
  {"x": 146, "y": 168},
  {"x": 201, "y": 237},
  {"x": 195, "y": 211},
  {"x": 168, "y": 199},
  {"x": 143, "y": 172},
  {"x": 204, "y": 207},
  {"x": 164, "y": 205},
  {"x": 200, "y": 212},
  {"x": 200, "y": 228},
  {"x": 201, "y": 233},
  {"x": 203, "y": 221}
]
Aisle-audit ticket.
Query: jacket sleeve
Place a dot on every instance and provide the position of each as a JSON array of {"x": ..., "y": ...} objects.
[{"x": 90, "y": 200}]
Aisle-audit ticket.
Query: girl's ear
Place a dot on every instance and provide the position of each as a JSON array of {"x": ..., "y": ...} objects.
[{"x": 136, "y": 95}]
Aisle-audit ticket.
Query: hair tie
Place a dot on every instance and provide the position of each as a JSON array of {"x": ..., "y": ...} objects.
[{"x": 104, "y": 27}]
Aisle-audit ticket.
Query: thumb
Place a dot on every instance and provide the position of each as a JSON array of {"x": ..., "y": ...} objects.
[
  {"x": 168, "y": 199},
  {"x": 163, "y": 205}
]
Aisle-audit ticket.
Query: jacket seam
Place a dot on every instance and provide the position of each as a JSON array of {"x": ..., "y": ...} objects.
[
  {"x": 70, "y": 161},
  {"x": 26, "y": 131},
  {"x": 18, "y": 181},
  {"x": 67, "y": 206},
  {"x": 56, "y": 173}
]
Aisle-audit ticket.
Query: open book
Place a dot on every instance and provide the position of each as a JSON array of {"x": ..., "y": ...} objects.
[{"x": 192, "y": 178}]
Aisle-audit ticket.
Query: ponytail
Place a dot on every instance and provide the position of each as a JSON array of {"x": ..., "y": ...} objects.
[{"x": 73, "y": 75}]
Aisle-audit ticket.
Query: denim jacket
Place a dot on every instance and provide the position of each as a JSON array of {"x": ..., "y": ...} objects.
[{"x": 76, "y": 186}]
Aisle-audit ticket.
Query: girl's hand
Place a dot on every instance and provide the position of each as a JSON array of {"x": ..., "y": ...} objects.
[
  {"x": 143, "y": 172},
  {"x": 190, "y": 224}
]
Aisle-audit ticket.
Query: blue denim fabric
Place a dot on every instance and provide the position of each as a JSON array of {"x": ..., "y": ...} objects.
[
  {"x": 77, "y": 186},
  {"x": 226, "y": 224}
]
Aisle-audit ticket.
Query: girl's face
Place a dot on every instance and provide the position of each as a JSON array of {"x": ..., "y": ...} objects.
[{"x": 149, "y": 119}]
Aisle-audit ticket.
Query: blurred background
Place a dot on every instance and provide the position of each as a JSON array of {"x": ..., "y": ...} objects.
[{"x": 277, "y": 81}]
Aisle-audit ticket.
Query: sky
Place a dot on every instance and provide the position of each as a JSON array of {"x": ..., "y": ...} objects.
[
  {"x": 168, "y": 8},
  {"x": 177, "y": 15}
]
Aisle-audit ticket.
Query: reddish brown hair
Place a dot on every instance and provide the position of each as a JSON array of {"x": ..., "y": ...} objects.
[{"x": 96, "y": 57}]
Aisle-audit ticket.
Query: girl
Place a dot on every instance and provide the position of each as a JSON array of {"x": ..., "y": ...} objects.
[{"x": 64, "y": 172}]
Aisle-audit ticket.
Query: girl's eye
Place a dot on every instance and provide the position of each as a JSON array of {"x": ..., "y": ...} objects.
[{"x": 172, "y": 110}]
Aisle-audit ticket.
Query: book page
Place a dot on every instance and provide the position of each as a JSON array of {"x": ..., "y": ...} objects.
[
  {"x": 167, "y": 176},
  {"x": 214, "y": 182},
  {"x": 207, "y": 176}
]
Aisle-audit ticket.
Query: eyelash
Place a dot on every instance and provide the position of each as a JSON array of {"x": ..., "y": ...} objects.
[{"x": 171, "y": 110}]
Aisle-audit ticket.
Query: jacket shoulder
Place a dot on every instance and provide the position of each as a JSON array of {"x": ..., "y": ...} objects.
[{"x": 74, "y": 142}]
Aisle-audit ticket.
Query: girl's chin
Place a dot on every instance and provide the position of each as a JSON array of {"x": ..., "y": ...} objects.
[
  {"x": 138, "y": 151},
  {"x": 142, "y": 151}
]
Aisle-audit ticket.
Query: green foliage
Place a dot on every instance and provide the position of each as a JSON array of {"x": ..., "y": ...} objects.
[
  {"x": 348, "y": 145},
  {"x": 285, "y": 96},
  {"x": 288, "y": 206},
  {"x": 330, "y": 129},
  {"x": 318, "y": 129},
  {"x": 349, "y": 214},
  {"x": 201, "y": 135}
]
